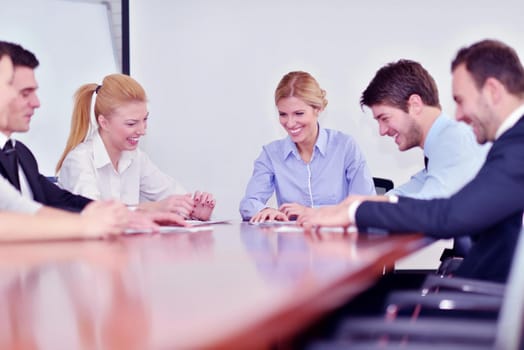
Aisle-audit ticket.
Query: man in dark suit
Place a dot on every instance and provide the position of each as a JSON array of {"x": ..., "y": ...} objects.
[
  {"x": 488, "y": 88},
  {"x": 26, "y": 176}
]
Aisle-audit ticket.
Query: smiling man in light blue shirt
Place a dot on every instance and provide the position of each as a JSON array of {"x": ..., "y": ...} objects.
[{"x": 404, "y": 100}]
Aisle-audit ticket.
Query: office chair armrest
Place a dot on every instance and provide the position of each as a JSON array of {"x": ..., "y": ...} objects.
[
  {"x": 423, "y": 329},
  {"x": 400, "y": 345},
  {"x": 449, "y": 265},
  {"x": 443, "y": 301},
  {"x": 433, "y": 282}
]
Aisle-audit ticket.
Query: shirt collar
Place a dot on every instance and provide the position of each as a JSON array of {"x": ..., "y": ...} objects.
[
  {"x": 101, "y": 157},
  {"x": 432, "y": 138},
  {"x": 3, "y": 140},
  {"x": 510, "y": 121},
  {"x": 321, "y": 145}
]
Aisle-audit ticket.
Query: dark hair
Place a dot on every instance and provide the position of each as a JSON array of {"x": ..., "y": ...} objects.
[
  {"x": 20, "y": 56},
  {"x": 394, "y": 83},
  {"x": 4, "y": 49},
  {"x": 492, "y": 58}
]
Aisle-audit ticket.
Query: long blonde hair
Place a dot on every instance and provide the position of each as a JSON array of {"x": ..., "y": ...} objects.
[{"x": 116, "y": 90}]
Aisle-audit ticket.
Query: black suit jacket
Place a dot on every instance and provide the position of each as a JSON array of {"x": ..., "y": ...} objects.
[
  {"x": 44, "y": 191},
  {"x": 489, "y": 207}
]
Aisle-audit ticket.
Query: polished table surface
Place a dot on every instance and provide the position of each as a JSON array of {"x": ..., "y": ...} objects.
[{"x": 235, "y": 286}]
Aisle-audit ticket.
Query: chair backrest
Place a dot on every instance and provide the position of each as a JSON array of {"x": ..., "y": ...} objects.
[
  {"x": 511, "y": 317},
  {"x": 382, "y": 185}
]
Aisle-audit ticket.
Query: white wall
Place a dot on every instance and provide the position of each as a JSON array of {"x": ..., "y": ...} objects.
[
  {"x": 72, "y": 41},
  {"x": 114, "y": 8},
  {"x": 210, "y": 68}
]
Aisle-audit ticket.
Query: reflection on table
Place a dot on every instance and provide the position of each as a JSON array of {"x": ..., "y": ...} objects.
[{"x": 233, "y": 285}]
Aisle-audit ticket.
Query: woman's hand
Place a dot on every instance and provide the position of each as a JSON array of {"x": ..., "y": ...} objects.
[
  {"x": 269, "y": 214},
  {"x": 180, "y": 204},
  {"x": 204, "y": 203},
  {"x": 292, "y": 210}
]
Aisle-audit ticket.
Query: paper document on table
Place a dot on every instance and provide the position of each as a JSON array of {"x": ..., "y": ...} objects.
[
  {"x": 283, "y": 229},
  {"x": 274, "y": 223},
  {"x": 182, "y": 229},
  {"x": 288, "y": 228},
  {"x": 170, "y": 229},
  {"x": 208, "y": 222}
]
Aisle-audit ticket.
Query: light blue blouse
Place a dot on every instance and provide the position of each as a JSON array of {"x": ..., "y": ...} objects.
[{"x": 337, "y": 168}]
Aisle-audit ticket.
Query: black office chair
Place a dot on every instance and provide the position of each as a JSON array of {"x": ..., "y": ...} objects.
[
  {"x": 451, "y": 258},
  {"x": 504, "y": 332},
  {"x": 382, "y": 185}
]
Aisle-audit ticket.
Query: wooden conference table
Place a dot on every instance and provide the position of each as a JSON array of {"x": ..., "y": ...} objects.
[{"x": 235, "y": 286}]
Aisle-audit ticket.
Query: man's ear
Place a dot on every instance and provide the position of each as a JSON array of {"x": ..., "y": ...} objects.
[
  {"x": 415, "y": 104},
  {"x": 493, "y": 90}
]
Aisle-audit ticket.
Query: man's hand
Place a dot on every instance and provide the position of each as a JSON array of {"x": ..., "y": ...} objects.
[
  {"x": 103, "y": 218},
  {"x": 336, "y": 215}
]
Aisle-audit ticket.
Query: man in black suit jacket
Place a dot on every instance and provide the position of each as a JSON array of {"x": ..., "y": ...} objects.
[
  {"x": 31, "y": 183},
  {"x": 488, "y": 88}
]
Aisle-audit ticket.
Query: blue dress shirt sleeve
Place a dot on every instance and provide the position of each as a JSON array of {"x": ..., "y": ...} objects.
[{"x": 260, "y": 187}]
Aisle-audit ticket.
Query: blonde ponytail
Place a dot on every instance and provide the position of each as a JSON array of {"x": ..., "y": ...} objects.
[{"x": 80, "y": 120}]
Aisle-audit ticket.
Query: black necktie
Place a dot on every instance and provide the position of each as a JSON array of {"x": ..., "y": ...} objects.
[
  {"x": 12, "y": 163},
  {"x": 426, "y": 163}
]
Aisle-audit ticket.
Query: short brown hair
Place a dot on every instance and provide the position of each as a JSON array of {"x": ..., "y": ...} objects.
[
  {"x": 492, "y": 58},
  {"x": 394, "y": 83},
  {"x": 20, "y": 56}
]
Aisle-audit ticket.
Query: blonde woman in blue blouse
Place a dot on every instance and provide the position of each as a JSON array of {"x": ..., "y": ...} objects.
[{"x": 312, "y": 166}]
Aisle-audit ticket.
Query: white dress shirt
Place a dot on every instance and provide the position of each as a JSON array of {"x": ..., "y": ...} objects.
[
  {"x": 510, "y": 121},
  {"x": 12, "y": 200},
  {"x": 87, "y": 170},
  {"x": 25, "y": 189}
]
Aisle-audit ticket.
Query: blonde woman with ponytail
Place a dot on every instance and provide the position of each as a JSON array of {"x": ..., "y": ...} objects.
[
  {"x": 312, "y": 166},
  {"x": 109, "y": 164}
]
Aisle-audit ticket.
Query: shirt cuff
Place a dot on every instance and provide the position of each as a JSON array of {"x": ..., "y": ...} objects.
[
  {"x": 393, "y": 199},
  {"x": 352, "y": 211},
  {"x": 33, "y": 208},
  {"x": 133, "y": 207}
]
